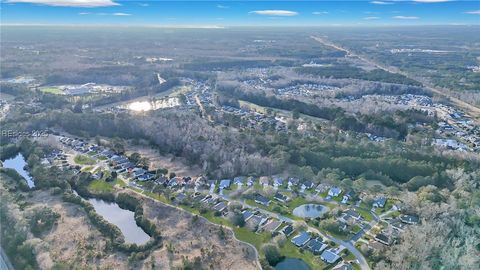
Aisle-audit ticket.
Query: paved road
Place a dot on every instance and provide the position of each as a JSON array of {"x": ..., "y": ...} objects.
[{"x": 343, "y": 244}]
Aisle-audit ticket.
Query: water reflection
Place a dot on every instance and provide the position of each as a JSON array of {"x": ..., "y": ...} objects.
[
  {"x": 143, "y": 106},
  {"x": 310, "y": 210},
  {"x": 123, "y": 219},
  {"x": 18, "y": 163}
]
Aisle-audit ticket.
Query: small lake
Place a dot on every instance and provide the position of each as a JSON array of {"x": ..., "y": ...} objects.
[
  {"x": 123, "y": 219},
  {"x": 310, "y": 210},
  {"x": 18, "y": 163},
  {"x": 291, "y": 263}
]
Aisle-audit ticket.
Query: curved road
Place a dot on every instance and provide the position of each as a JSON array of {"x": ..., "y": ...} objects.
[{"x": 346, "y": 244}]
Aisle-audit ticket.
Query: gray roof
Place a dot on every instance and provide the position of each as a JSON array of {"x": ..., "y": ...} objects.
[
  {"x": 301, "y": 239},
  {"x": 329, "y": 256},
  {"x": 262, "y": 199}
]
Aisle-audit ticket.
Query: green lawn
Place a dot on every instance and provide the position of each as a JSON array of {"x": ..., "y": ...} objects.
[
  {"x": 119, "y": 182},
  {"x": 51, "y": 90},
  {"x": 292, "y": 251},
  {"x": 365, "y": 214},
  {"x": 87, "y": 169},
  {"x": 100, "y": 186},
  {"x": 84, "y": 160},
  {"x": 349, "y": 256}
]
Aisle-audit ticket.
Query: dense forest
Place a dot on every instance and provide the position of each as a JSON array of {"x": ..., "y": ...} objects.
[{"x": 343, "y": 71}]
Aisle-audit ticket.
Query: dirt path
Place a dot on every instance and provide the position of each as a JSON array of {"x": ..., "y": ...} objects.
[{"x": 471, "y": 109}]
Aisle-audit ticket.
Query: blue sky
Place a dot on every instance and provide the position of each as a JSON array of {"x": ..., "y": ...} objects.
[{"x": 240, "y": 13}]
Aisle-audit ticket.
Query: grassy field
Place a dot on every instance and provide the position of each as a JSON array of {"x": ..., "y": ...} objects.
[
  {"x": 252, "y": 106},
  {"x": 365, "y": 214},
  {"x": 99, "y": 186},
  {"x": 52, "y": 90},
  {"x": 87, "y": 169},
  {"x": 84, "y": 160}
]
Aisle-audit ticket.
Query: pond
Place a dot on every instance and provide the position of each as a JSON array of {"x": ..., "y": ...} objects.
[
  {"x": 18, "y": 163},
  {"x": 310, "y": 210},
  {"x": 291, "y": 263},
  {"x": 123, "y": 219}
]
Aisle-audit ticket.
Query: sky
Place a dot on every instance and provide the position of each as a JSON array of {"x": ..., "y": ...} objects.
[{"x": 240, "y": 13}]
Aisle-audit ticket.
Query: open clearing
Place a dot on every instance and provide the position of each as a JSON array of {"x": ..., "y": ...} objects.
[
  {"x": 186, "y": 236},
  {"x": 52, "y": 90},
  {"x": 157, "y": 161},
  {"x": 74, "y": 240}
]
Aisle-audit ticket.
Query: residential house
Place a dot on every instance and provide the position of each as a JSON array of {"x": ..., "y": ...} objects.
[
  {"x": 161, "y": 180},
  {"x": 255, "y": 221},
  {"x": 307, "y": 185},
  {"x": 225, "y": 183},
  {"x": 273, "y": 225},
  {"x": 322, "y": 187},
  {"x": 348, "y": 196},
  {"x": 288, "y": 230},
  {"x": 146, "y": 177},
  {"x": 293, "y": 181},
  {"x": 301, "y": 239},
  {"x": 409, "y": 219},
  {"x": 316, "y": 246},
  {"x": 354, "y": 214},
  {"x": 247, "y": 215},
  {"x": 330, "y": 256},
  {"x": 277, "y": 182},
  {"x": 138, "y": 171},
  {"x": 127, "y": 166},
  {"x": 260, "y": 199},
  {"x": 382, "y": 238},
  {"x": 239, "y": 180},
  {"x": 334, "y": 192},
  {"x": 379, "y": 202},
  {"x": 220, "y": 206},
  {"x": 177, "y": 181},
  {"x": 397, "y": 224},
  {"x": 280, "y": 197},
  {"x": 250, "y": 181}
]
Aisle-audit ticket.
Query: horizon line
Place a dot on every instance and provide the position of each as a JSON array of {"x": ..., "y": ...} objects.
[{"x": 186, "y": 26}]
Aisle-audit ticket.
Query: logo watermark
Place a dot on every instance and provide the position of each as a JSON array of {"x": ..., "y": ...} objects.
[{"x": 11, "y": 133}]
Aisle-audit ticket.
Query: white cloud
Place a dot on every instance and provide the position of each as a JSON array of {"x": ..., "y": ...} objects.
[
  {"x": 143, "y": 4},
  {"x": 222, "y": 6},
  {"x": 405, "y": 17},
  {"x": 381, "y": 3},
  {"x": 274, "y": 12},
  {"x": 371, "y": 18},
  {"x": 319, "y": 12},
  {"x": 68, "y": 3},
  {"x": 474, "y": 12},
  {"x": 431, "y": 1},
  {"x": 105, "y": 14}
]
